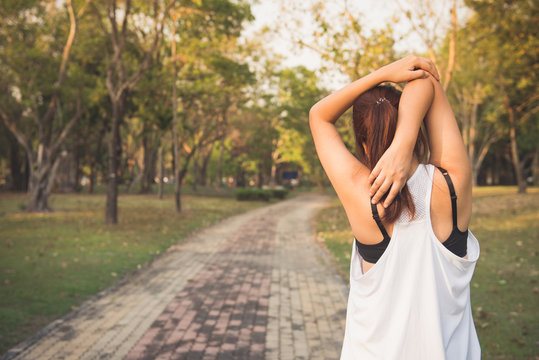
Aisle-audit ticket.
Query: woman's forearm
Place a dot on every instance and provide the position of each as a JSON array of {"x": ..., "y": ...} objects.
[
  {"x": 330, "y": 108},
  {"x": 392, "y": 170},
  {"x": 414, "y": 104}
]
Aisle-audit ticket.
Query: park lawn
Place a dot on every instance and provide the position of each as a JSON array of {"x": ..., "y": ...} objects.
[
  {"x": 505, "y": 287},
  {"x": 51, "y": 263}
]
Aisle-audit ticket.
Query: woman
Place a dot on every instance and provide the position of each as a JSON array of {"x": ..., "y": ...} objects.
[{"x": 413, "y": 257}]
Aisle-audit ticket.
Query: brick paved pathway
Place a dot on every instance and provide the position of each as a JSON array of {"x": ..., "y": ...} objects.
[{"x": 255, "y": 286}]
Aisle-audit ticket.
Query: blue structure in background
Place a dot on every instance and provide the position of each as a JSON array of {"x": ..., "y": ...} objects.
[{"x": 289, "y": 175}]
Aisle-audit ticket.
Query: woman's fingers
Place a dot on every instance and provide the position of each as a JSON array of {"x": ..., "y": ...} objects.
[
  {"x": 420, "y": 74},
  {"x": 381, "y": 191},
  {"x": 427, "y": 65},
  {"x": 393, "y": 192},
  {"x": 374, "y": 173},
  {"x": 376, "y": 185}
]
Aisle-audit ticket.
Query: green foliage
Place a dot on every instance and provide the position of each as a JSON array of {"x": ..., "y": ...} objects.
[{"x": 504, "y": 38}]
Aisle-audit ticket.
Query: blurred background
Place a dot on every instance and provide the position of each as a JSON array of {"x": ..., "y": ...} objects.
[{"x": 126, "y": 125}]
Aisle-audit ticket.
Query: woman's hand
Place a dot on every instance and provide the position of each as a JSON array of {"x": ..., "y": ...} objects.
[
  {"x": 391, "y": 171},
  {"x": 409, "y": 68}
]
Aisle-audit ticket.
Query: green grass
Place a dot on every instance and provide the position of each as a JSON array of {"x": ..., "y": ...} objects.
[
  {"x": 51, "y": 263},
  {"x": 505, "y": 287}
]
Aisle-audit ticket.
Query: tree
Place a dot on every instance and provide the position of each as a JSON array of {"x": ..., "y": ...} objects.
[
  {"x": 473, "y": 97},
  {"x": 123, "y": 73},
  {"x": 35, "y": 90},
  {"x": 298, "y": 90},
  {"x": 200, "y": 26},
  {"x": 508, "y": 33}
]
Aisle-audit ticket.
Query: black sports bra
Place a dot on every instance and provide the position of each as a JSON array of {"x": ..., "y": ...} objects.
[{"x": 457, "y": 242}]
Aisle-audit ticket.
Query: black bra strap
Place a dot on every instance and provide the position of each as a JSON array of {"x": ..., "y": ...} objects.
[
  {"x": 452, "y": 193},
  {"x": 376, "y": 218}
]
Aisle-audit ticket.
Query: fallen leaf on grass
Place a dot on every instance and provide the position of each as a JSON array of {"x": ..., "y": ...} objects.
[
  {"x": 518, "y": 341},
  {"x": 483, "y": 315}
]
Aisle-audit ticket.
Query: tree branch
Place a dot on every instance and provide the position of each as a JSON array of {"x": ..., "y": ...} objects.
[
  {"x": 63, "y": 65},
  {"x": 158, "y": 30},
  {"x": 99, "y": 21},
  {"x": 452, "y": 39},
  {"x": 83, "y": 9},
  {"x": 67, "y": 128},
  {"x": 16, "y": 132}
]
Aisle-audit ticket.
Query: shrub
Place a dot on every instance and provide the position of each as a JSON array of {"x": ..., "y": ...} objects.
[
  {"x": 252, "y": 194},
  {"x": 279, "y": 193},
  {"x": 260, "y": 194}
]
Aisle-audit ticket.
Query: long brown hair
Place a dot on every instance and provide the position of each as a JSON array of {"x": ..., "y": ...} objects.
[{"x": 375, "y": 122}]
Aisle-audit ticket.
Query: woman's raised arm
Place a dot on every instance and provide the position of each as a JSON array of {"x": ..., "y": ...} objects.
[{"x": 340, "y": 165}]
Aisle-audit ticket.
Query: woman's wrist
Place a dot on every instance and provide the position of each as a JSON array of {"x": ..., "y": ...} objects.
[
  {"x": 381, "y": 74},
  {"x": 378, "y": 76},
  {"x": 404, "y": 143}
]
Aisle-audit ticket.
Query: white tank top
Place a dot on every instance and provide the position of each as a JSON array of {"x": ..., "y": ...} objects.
[{"x": 414, "y": 303}]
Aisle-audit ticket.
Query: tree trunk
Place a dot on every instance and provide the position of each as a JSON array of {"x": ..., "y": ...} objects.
[
  {"x": 260, "y": 176},
  {"x": 240, "y": 178},
  {"x": 91, "y": 178},
  {"x": 161, "y": 173},
  {"x": 114, "y": 151},
  {"x": 146, "y": 164},
  {"x": 204, "y": 166},
  {"x": 38, "y": 196},
  {"x": 452, "y": 48},
  {"x": 43, "y": 182},
  {"x": 195, "y": 172},
  {"x": 220, "y": 163},
  {"x": 514, "y": 149},
  {"x": 76, "y": 166},
  {"x": 96, "y": 160},
  {"x": 535, "y": 168},
  {"x": 18, "y": 181},
  {"x": 177, "y": 177}
]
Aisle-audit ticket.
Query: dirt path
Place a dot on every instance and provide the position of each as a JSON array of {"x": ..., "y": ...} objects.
[{"x": 254, "y": 286}]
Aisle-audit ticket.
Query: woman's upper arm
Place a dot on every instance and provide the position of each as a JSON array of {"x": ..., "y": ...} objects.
[
  {"x": 445, "y": 140},
  {"x": 340, "y": 165}
]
